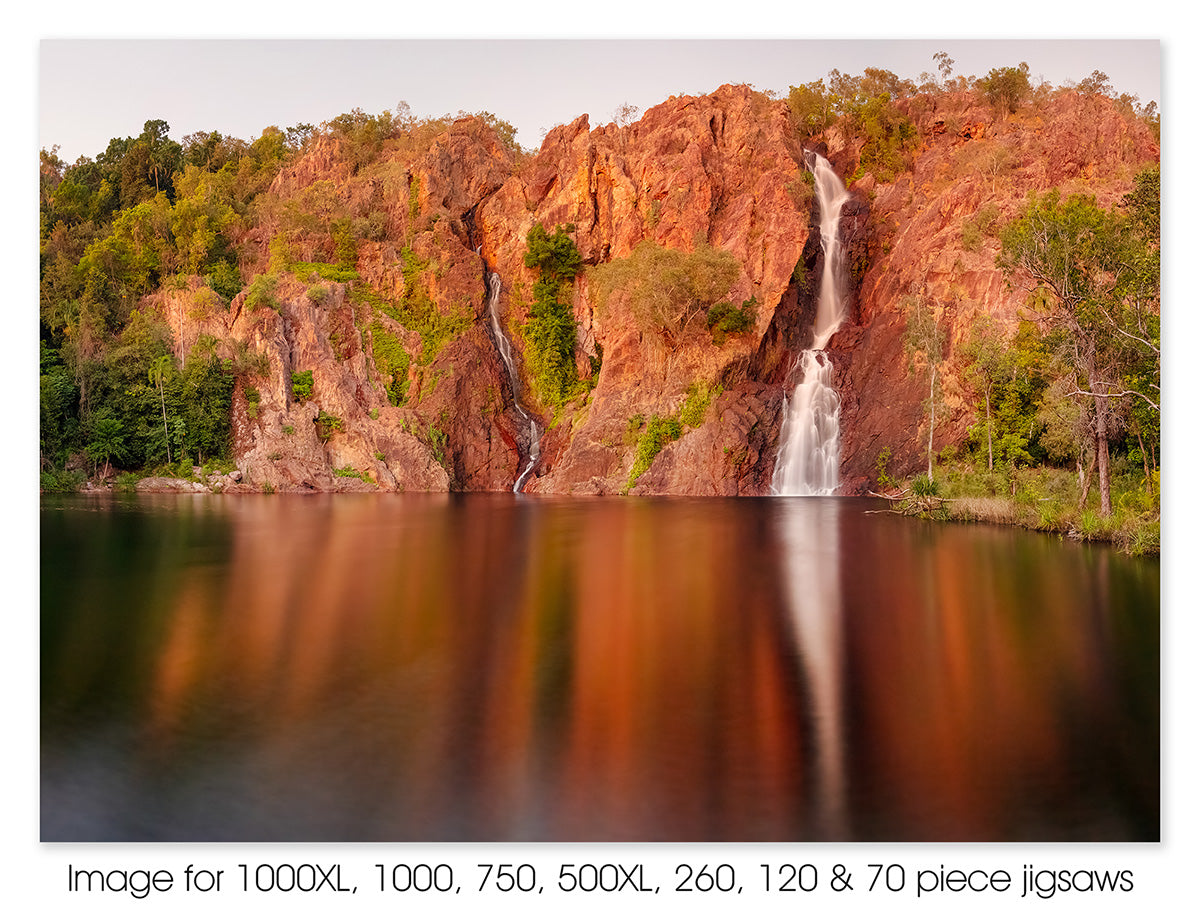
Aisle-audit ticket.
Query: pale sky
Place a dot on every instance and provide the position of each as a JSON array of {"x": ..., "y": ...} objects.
[{"x": 90, "y": 90}]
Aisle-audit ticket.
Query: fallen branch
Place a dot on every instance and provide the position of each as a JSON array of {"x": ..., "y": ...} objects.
[{"x": 897, "y": 497}]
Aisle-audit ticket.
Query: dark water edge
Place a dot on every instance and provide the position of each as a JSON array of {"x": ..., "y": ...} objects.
[{"x": 495, "y": 667}]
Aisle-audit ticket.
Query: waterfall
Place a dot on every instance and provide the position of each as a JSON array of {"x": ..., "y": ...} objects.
[
  {"x": 810, "y": 435},
  {"x": 504, "y": 346}
]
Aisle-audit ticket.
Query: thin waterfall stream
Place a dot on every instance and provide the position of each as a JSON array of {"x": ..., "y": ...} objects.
[
  {"x": 505, "y": 348},
  {"x": 810, "y": 435}
]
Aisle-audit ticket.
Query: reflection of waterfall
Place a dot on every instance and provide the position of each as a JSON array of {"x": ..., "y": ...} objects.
[
  {"x": 506, "y": 355},
  {"x": 812, "y": 569},
  {"x": 809, "y": 438}
]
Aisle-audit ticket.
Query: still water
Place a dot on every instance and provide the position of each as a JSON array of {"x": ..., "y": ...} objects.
[{"x": 493, "y": 667}]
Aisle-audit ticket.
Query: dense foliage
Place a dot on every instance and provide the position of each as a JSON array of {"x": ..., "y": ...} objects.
[
  {"x": 549, "y": 332},
  {"x": 1093, "y": 278},
  {"x": 145, "y": 215},
  {"x": 868, "y": 107},
  {"x": 1073, "y": 396},
  {"x": 669, "y": 290}
]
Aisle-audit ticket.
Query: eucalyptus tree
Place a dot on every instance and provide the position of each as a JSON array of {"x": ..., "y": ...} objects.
[
  {"x": 924, "y": 339},
  {"x": 1093, "y": 279}
]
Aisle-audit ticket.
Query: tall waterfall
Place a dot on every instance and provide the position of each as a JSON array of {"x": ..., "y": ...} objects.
[
  {"x": 506, "y": 355},
  {"x": 809, "y": 438}
]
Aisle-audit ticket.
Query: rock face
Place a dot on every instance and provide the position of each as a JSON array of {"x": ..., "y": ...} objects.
[
  {"x": 436, "y": 213},
  {"x": 724, "y": 169},
  {"x": 934, "y": 231}
]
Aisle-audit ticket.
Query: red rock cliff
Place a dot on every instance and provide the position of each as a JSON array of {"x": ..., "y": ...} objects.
[{"x": 435, "y": 212}]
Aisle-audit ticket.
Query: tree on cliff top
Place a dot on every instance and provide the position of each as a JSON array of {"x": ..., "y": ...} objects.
[
  {"x": 1006, "y": 87},
  {"x": 867, "y": 105}
]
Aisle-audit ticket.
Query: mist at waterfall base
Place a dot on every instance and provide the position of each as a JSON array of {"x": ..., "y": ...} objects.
[
  {"x": 810, "y": 434},
  {"x": 483, "y": 667}
]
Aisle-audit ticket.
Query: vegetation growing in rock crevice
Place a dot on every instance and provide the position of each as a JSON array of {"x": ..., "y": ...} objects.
[
  {"x": 661, "y": 430},
  {"x": 392, "y": 361},
  {"x": 550, "y": 333},
  {"x": 668, "y": 290},
  {"x": 327, "y": 425},
  {"x": 302, "y": 385},
  {"x": 725, "y": 319},
  {"x": 416, "y": 311}
]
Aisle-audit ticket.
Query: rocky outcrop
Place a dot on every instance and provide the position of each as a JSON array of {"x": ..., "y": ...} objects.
[
  {"x": 346, "y": 424},
  {"x": 723, "y": 169},
  {"x": 434, "y": 213},
  {"x": 934, "y": 232}
]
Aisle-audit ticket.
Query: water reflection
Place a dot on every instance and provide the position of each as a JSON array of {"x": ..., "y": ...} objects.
[
  {"x": 489, "y": 667},
  {"x": 812, "y": 572}
]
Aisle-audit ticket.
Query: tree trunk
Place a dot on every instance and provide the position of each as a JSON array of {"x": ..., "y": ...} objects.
[
  {"x": 987, "y": 402},
  {"x": 1102, "y": 456},
  {"x": 166, "y": 433},
  {"x": 1145, "y": 459},
  {"x": 932, "y": 378},
  {"x": 1086, "y": 485}
]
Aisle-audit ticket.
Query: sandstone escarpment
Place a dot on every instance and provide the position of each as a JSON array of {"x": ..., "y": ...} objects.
[
  {"x": 723, "y": 169},
  {"x": 400, "y": 347},
  {"x": 935, "y": 234}
]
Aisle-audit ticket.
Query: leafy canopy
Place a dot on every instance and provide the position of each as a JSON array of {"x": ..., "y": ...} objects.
[{"x": 666, "y": 289}]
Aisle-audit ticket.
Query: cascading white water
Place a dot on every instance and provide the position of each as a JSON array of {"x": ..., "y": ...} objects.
[
  {"x": 810, "y": 435},
  {"x": 506, "y": 355}
]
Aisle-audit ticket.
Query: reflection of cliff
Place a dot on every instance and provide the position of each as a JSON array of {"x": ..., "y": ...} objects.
[
  {"x": 490, "y": 668},
  {"x": 970, "y": 699},
  {"x": 517, "y": 677}
]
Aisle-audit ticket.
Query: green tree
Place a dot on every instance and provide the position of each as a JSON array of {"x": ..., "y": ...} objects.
[
  {"x": 59, "y": 397},
  {"x": 986, "y": 350},
  {"x": 554, "y": 256},
  {"x": 201, "y": 218},
  {"x": 107, "y": 442},
  {"x": 812, "y": 108},
  {"x": 203, "y": 402},
  {"x": 666, "y": 290},
  {"x": 1093, "y": 280},
  {"x": 1009, "y": 373},
  {"x": 550, "y": 333},
  {"x": 1006, "y": 87}
]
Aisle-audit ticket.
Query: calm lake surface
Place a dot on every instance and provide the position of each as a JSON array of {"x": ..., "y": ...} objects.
[{"x": 493, "y": 667}]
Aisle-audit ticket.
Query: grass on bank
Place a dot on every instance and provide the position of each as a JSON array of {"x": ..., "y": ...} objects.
[{"x": 1042, "y": 498}]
